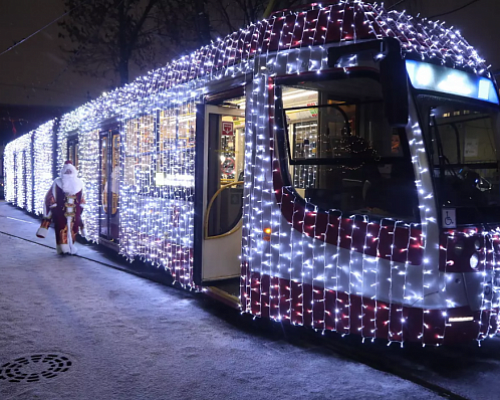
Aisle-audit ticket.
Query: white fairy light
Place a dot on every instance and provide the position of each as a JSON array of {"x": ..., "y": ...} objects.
[
  {"x": 304, "y": 274},
  {"x": 43, "y": 164}
]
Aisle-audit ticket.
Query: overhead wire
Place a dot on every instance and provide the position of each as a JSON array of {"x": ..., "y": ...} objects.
[
  {"x": 454, "y": 10},
  {"x": 43, "y": 28},
  {"x": 395, "y": 5},
  {"x": 74, "y": 57}
]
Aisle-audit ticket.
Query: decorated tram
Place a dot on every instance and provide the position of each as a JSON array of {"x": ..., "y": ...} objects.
[{"x": 334, "y": 167}]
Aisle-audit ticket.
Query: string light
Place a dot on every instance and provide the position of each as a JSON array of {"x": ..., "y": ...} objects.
[
  {"x": 43, "y": 164},
  {"x": 329, "y": 270}
]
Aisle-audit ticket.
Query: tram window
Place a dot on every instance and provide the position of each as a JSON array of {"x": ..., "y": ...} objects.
[
  {"x": 72, "y": 148},
  {"x": 71, "y": 152},
  {"x": 140, "y": 147},
  {"x": 76, "y": 155},
  {"x": 168, "y": 129},
  {"x": 231, "y": 149},
  {"x": 104, "y": 169},
  {"x": 343, "y": 154},
  {"x": 159, "y": 153},
  {"x": 115, "y": 167},
  {"x": 463, "y": 150},
  {"x": 175, "y": 161},
  {"x": 141, "y": 134}
]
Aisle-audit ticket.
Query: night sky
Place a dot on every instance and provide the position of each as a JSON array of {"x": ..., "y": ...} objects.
[
  {"x": 478, "y": 23},
  {"x": 33, "y": 73}
]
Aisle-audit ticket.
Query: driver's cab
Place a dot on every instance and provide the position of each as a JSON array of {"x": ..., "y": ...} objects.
[
  {"x": 458, "y": 113},
  {"x": 424, "y": 160},
  {"x": 343, "y": 154}
]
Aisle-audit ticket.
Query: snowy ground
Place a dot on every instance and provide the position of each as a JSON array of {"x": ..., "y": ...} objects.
[{"x": 131, "y": 338}]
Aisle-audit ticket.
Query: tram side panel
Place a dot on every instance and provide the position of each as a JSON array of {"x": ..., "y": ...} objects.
[
  {"x": 43, "y": 161},
  {"x": 156, "y": 192},
  {"x": 29, "y": 165},
  {"x": 9, "y": 177}
]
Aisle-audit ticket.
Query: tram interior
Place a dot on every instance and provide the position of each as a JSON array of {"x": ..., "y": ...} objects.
[
  {"x": 225, "y": 193},
  {"x": 228, "y": 159},
  {"x": 464, "y": 155},
  {"x": 343, "y": 154}
]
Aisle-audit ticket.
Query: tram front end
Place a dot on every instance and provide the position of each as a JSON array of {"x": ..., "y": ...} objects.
[
  {"x": 458, "y": 114},
  {"x": 388, "y": 169}
]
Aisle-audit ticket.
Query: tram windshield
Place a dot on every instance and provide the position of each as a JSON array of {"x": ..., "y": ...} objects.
[
  {"x": 342, "y": 153},
  {"x": 462, "y": 148}
]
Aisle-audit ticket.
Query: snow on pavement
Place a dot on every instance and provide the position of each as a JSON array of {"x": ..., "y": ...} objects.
[{"x": 130, "y": 338}]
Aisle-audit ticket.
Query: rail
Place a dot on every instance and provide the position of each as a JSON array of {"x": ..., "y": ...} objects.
[{"x": 209, "y": 208}]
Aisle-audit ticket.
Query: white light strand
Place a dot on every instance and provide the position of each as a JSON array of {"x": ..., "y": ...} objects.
[{"x": 155, "y": 118}]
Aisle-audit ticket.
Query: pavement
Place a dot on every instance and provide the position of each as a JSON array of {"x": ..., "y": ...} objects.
[{"x": 83, "y": 328}]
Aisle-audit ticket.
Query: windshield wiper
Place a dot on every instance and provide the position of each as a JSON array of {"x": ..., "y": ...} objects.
[
  {"x": 444, "y": 162},
  {"x": 457, "y": 136},
  {"x": 439, "y": 145}
]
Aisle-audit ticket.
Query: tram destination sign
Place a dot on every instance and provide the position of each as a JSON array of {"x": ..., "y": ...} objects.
[{"x": 425, "y": 76}]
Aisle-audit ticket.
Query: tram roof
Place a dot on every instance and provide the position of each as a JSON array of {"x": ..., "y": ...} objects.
[{"x": 342, "y": 21}]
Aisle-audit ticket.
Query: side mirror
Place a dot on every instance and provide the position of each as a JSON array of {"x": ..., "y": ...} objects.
[{"x": 394, "y": 80}]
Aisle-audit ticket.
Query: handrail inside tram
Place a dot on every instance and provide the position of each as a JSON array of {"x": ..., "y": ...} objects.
[{"x": 209, "y": 208}]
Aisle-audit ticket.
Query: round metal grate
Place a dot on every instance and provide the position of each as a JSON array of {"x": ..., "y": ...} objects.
[{"x": 34, "y": 368}]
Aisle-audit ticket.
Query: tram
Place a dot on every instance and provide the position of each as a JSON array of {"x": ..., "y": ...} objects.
[{"x": 334, "y": 167}]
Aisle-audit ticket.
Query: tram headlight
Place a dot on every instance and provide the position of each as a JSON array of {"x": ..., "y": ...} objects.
[
  {"x": 474, "y": 260},
  {"x": 459, "y": 247}
]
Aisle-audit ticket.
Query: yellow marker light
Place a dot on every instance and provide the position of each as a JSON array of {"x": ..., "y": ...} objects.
[{"x": 267, "y": 231}]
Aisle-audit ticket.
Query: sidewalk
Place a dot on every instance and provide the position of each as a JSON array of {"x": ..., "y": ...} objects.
[
  {"x": 81, "y": 330},
  {"x": 18, "y": 223}
]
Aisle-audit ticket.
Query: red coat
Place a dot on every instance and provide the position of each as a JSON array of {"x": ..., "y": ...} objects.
[{"x": 61, "y": 208}]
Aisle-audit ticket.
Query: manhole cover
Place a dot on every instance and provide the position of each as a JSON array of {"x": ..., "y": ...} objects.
[{"x": 34, "y": 368}]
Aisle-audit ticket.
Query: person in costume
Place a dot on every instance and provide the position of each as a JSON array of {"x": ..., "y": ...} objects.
[{"x": 64, "y": 203}]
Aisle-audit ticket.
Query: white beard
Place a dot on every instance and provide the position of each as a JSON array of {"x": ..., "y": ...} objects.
[
  {"x": 70, "y": 184},
  {"x": 68, "y": 180}
]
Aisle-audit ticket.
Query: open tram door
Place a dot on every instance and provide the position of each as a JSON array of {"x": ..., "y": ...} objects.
[
  {"x": 220, "y": 143},
  {"x": 109, "y": 213}
]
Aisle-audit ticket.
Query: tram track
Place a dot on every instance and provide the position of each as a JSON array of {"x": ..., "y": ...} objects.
[
  {"x": 385, "y": 364},
  {"x": 374, "y": 355}
]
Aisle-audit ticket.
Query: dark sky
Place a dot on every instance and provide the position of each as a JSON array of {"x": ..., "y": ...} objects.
[
  {"x": 29, "y": 74},
  {"x": 478, "y": 23},
  {"x": 33, "y": 73}
]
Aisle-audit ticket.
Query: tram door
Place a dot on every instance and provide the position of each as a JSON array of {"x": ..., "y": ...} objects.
[
  {"x": 109, "y": 146},
  {"x": 220, "y": 143}
]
